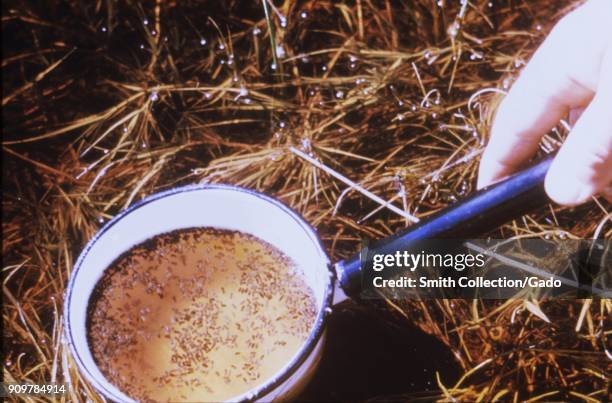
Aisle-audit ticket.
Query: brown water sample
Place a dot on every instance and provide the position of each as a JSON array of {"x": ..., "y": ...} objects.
[{"x": 198, "y": 315}]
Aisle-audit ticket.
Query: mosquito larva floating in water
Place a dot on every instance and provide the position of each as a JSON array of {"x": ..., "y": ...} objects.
[{"x": 193, "y": 315}]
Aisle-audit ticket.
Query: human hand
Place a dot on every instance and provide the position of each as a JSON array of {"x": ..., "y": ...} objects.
[{"x": 571, "y": 71}]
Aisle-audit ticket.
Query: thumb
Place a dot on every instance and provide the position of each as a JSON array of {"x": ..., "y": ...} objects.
[{"x": 583, "y": 166}]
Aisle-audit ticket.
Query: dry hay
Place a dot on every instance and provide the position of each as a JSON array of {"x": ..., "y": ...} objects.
[{"x": 106, "y": 102}]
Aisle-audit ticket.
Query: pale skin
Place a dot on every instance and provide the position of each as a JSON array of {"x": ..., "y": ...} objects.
[{"x": 569, "y": 76}]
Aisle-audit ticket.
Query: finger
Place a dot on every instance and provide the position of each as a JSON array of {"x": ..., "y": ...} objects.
[
  {"x": 522, "y": 119},
  {"x": 543, "y": 94},
  {"x": 583, "y": 166}
]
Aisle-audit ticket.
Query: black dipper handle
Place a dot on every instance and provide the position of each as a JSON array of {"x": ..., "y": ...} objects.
[{"x": 471, "y": 217}]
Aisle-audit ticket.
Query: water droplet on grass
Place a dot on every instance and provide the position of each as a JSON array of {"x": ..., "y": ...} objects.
[
  {"x": 453, "y": 29},
  {"x": 476, "y": 56}
]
